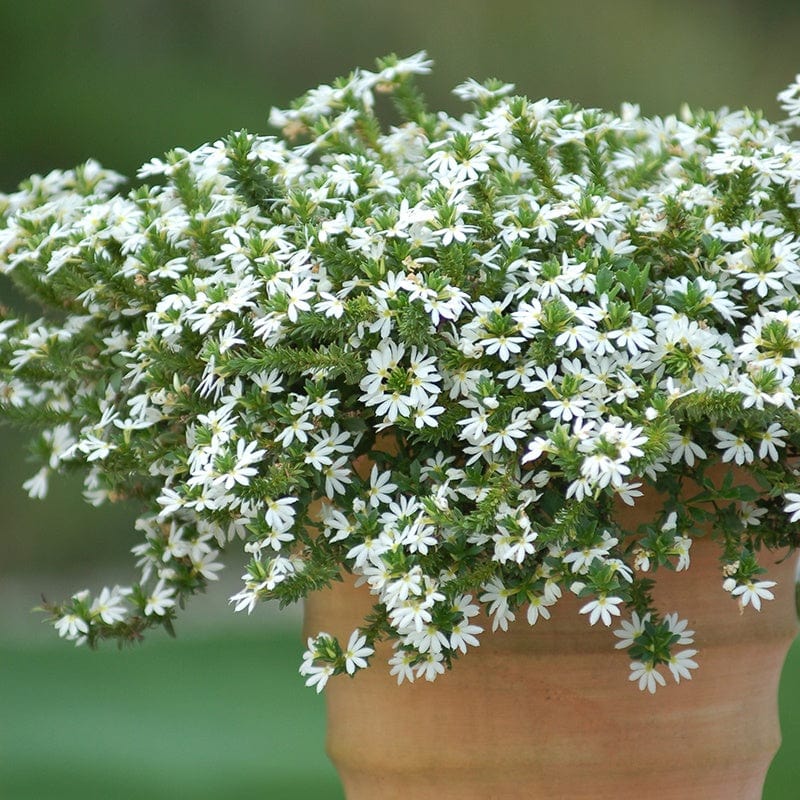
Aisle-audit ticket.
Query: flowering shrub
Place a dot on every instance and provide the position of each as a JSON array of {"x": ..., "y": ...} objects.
[{"x": 437, "y": 357}]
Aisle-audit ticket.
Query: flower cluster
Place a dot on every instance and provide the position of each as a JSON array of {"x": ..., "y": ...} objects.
[{"x": 439, "y": 357}]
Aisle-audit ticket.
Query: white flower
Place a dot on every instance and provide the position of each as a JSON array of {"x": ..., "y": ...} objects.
[
  {"x": 108, "y": 605},
  {"x": 580, "y": 489},
  {"x": 318, "y": 675},
  {"x": 678, "y": 627},
  {"x": 681, "y": 549},
  {"x": 276, "y": 539},
  {"x": 463, "y": 635},
  {"x": 789, "y": 99},
  {"x": 648, "y": 676},
  {"x": 567, "y": 408},
  {"x": 537, "y": 607},
  {"x": 497, "y": 596},
  {"x": 472, "y": 90},
  {"x": 380, "y": 487},
  {"x": 412, "y": 615},
  {"x": 430, "y": 666},
  {"x": 793, "y": 506},
  {"x": 394, "y": 405},
  {"x": 298, "y": 429},
  {"x": 357, "y": 652},
  {"x": 330, "y": 306},
  {"x": 159, "y": 600},
  {"x": 752, "y": 593},
  {"x": 735, "y": 447},
  {"x": 602, "y": 470},
  {"x": 71, "y": 626},
  {"x": 402, "y": 665},
  {"x": 603, "y": 608},
  {"x": 582, "y": 559},
  {"x": 319, "y": 456},
  {"x": 94, "y": 447},
  {"x": 280, "y": 513},
  {"x": 247, "y": 598},
  {"x": 425, "y": 413},
  {"x": 337, "y": 476},
  {"x": 630, "y": 630},
  {"x": 681, "y": 663},
  {"x": 628, "y": 492},
  {"x": 242, "y": 471},
  {"x": 503, "y": 346},
  {"x": 684, "y": 448},
  {"x": 205, "y": 564},
  {"x": 771, "y": 440},
  {"x": 298, "y": 295},
  {"x": 36, "y": 487},
  {"x": 230, "y": 337},
  {"x": 506, "y": 437},
  {"x": 750, "y": 514},
  {"x": 429, "y": 640}
]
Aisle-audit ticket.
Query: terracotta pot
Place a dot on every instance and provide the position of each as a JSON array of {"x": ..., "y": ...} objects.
[{"x": 549, "y": 712}]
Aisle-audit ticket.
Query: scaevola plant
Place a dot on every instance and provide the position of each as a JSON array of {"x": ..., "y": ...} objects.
[{"x": 518, "y": 320}]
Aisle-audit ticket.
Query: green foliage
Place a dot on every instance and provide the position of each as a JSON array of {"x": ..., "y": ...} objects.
[{"x": 438, "y": 355}]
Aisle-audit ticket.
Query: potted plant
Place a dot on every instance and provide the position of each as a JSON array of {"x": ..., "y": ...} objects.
[{"x": 448, "y": 378}]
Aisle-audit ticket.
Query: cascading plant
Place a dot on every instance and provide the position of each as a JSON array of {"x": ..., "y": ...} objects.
[{"x": 437, "y": 356}]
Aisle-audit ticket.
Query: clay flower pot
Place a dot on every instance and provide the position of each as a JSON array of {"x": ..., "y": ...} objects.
[{"x": 548, "y": 712}]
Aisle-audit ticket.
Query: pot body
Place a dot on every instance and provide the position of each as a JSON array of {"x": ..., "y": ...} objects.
[{"x": 549, "y": 712}]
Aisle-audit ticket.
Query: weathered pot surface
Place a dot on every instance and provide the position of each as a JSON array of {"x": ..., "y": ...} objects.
[{"x": 549, "y": 712}]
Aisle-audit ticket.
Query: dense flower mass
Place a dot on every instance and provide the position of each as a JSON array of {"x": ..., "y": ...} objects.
[{"x": 436, "y": 356}]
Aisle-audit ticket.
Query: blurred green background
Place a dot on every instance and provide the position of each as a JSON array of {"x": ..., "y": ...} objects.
[{"x": 223, "y": 713}]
